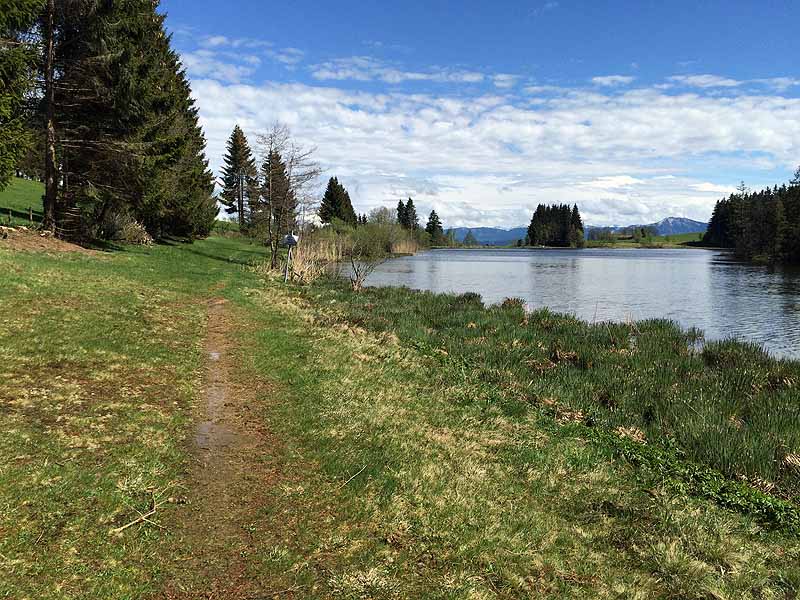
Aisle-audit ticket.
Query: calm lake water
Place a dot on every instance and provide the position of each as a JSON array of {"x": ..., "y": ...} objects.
[{"x": 696, "y": 288}]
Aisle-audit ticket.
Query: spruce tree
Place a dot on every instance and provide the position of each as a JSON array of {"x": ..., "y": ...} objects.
[
  {"x": 411, "y": 219},
  {"x": 434, "y": 229},
  {"x": 402, "y": 214},
  {"x": 470, "y": 239},
  {"x": 127, "y": 139},
  {"x": 277, "y": 209},
  {"x": 336, "y": 204},
  {"x": 239, "y": 178},
  {"x": 17, "y": 70}
]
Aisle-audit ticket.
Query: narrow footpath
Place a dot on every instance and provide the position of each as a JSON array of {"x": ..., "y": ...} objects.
[{"x": 232, "y": 471}]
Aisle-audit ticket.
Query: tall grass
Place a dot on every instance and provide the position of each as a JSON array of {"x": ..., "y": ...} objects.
[{"x": 728, "y": 405}]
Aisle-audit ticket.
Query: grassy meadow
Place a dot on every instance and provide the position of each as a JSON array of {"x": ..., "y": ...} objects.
[
  {"x": 424, "y": 446},
  {"x": 682, "y": 240},
  {"x": 19, "y": 201}
]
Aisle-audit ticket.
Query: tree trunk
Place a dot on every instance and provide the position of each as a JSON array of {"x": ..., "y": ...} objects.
[
  {"x": 50, "y": 174},
  {"x": 241, "y": 202}
]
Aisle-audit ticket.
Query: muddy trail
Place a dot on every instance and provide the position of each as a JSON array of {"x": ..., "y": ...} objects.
[{"x": 234, "y": 469}]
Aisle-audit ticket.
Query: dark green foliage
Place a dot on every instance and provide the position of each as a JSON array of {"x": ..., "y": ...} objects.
[
  {"x": 239, "y": 178},
  {"x": 435, "y": 230},
  {"x": 336, "y": 204},
  {"x": 275, "y": 214},
  {"x": 556, "y": 225},
  {"x": 401, "y": 213},
  {"x": 407, "y": 215},
  {"x": 17, "y": 70},
  {"x": 762, "y": 226},
  {"x": 128, "y": 143},
  {"x": 411, "y": 221}
]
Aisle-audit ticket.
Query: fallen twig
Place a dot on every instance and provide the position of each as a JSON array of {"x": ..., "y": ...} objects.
[{"x": 353, "y": 477}]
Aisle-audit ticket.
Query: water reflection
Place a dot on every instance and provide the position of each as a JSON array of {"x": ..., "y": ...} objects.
[{"x": 696, "y": 288}]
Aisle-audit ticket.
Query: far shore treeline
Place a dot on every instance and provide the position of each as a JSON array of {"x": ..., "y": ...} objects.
[
  {"x": 96, "y": 104},
  {"x": 759, "y": 226}
]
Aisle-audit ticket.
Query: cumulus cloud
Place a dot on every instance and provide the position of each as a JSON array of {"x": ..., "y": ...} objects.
[
  {"x": 206, "y": 63},
  {"x": 487, "y": 159}
]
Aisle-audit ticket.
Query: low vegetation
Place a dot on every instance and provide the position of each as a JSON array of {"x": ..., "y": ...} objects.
[
  {"x": 727, "y": 405},
  {"x": 410, "y": 460}
]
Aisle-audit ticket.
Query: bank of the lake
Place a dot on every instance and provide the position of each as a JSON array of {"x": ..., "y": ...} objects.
[{"x": 700, "y": 288}]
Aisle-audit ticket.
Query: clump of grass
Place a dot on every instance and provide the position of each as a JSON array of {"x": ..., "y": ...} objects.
[{"x": 731, "y": 406}]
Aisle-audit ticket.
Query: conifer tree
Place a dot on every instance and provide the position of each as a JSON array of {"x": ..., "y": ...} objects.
[
  {"x": 239, "y": 178},
  {"x": 276, "y": 214},
  {"x": 402, "y": 214},
  {"x": 434, "y": 229},
  {"x": 122, "y": 127},
  {"x": 411, "y": 218},
  {"x": 470, "y": 239},
  {"x": 17, "y": 70},
  {"x": 555, "y": 225},
  {"x": 336, "y": 204}
]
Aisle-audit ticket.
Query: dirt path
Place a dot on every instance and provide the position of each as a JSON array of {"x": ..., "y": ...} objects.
[{"x": 232, "y": 449}]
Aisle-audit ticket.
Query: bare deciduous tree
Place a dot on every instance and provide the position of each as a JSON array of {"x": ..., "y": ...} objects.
[{"x": 289, "y": 172}]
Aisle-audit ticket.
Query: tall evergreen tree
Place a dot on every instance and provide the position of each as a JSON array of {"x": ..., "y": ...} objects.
[
  {"x": 470, "y": 239},
  {"x": 122, "y": 136},
  {"x": 17, "y": 70},
  {"x": 411, "y": 218},
  {"x": 402, "y": 214},
  {"x": 277, "y": 209},
  {"x": 336, "y": 204},
  {"x": 239, "y": 178},
  {"x": 435, "y": 229},
  {"x": 763, "y": 226}
]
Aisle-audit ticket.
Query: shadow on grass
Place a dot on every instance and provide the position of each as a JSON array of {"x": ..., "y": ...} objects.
[
  {"x": 20, "y": 214},
  {"x": 227, "y": 258}
]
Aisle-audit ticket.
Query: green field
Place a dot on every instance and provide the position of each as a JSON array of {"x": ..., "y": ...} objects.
[
  {"x": 683, "y": 240},
  {"x": 17, "y": 199},
  {"x": 404, "y": 445}
]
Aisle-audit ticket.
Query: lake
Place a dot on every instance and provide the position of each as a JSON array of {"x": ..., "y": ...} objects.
[{"x": 697, "y": 288}]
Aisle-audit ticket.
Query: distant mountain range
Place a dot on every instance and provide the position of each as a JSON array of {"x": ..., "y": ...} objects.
[{"x": 494, "y": 236}]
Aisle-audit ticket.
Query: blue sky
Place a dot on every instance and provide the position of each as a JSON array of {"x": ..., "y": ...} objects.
[{"x": 635, "y": 111}]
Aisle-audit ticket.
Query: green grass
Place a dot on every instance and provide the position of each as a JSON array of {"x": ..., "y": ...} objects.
[
  {"x": 437, "y": 480},
  {"x": 17, "y": 198},
  {"x": 683, "y": 240},
  {"x": 410, "y": 459},
  {"x": 729, "y": 406},
  {"x": 100, "y": 362}
]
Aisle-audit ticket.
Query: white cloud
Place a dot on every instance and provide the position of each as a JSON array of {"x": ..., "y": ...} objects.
[
  {"x": 485, "y": 160},
  {"x": 287, "y": 56},
  {"x": 206, "y": 63},
  {"x": 714, "y": 188},
  {"x": 544, "y": 8},
  {"x": 612, "y": 80},
  {"x": 505, "y": 80},
  {"x": 365, "y": 68},
  {"x": 612, "y": 182},
  {"x": 705, "y": 81}
]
